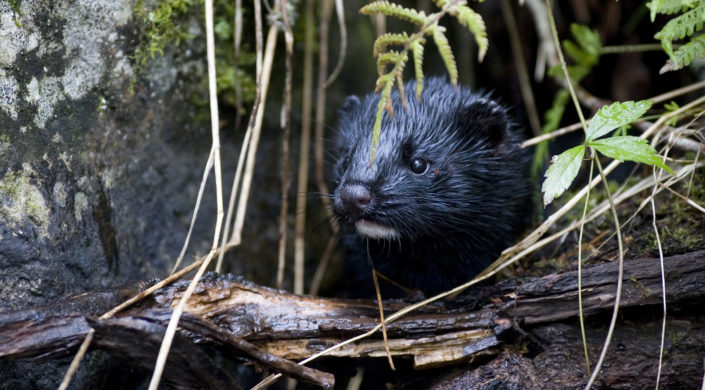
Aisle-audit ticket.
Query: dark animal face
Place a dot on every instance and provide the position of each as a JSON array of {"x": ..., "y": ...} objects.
[{"x": 442, "y": 166}]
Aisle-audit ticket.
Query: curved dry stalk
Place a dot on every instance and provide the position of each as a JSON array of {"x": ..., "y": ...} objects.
[
  {"x": 233, "y": 194},
  {"x": 256, "y": 124},
  {"x": 317, "y": 278},
  {"x": 206, "y": 173},
  {"x": 256, "y": 107},
  {"x": 305, "y": 145},
  {"x": 381, "y": 319},
  {"x": 581, "y": 317},
  {"x": 215, "y": 133},
  {"x": 663, "y": 289},
  {"x": 286, "y": 129},
  {"x": 340, "y": 12}
]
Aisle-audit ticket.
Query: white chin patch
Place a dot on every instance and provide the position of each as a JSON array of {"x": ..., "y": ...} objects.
[{"x": 373, "y": 230}]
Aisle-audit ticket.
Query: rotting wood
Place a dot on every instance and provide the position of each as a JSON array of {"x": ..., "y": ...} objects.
[{"x": 258, "y": 323}]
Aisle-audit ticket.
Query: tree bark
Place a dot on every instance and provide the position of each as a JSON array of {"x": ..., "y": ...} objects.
[{"x": 270, "y": 327}]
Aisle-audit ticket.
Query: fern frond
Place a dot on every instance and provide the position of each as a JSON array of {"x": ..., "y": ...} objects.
[
  {"x": 446, "y": 53},
  {"x": 402, "y": 92},
  {"x": 384, "y": 83},
  {"x": 683, "y": 25},
  {"x": 417, "y": 52},
  {"x": 396, "y": 10},
  {"x": 669, "y": 7},
  {"x": 389, "y": 39},
  {"x": 686, "y": 54},
  {"x": 390, "y": 57},
  {"x": 473, "y": 21}
]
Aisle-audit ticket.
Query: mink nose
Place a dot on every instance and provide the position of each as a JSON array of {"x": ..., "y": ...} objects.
[{"x": 355, "y": 197}]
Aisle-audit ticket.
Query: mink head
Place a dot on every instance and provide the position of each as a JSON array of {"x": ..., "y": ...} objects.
[{"x": 447, "y": 164}]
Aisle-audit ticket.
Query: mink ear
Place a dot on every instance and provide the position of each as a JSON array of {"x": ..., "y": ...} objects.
[
  {"x": 485, "y": 118},
  {"x": 348, "y": 106}
]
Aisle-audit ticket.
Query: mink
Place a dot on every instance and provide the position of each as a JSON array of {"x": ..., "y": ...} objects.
[{"x": 447, "y": 190}]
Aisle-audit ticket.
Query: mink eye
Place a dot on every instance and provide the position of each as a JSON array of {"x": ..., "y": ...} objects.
[{"x": 418, "y": 165}]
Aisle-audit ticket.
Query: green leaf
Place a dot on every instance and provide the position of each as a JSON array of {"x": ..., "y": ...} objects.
[
  {"x": 578, "y": 55},
  {"x": 576, "y": 72},
  {"x": 588, "y": 39},
  {"x": 630, "y": 149},
  {"x": 446, "y": 54},
  {"x": 669, "y": 7},
  {"x": 561, "y": 173},
  {"x": 389, "y": 39},
  {"x": 670, "y": 107},
  {"x": 685, "y": 54},
  {"x": 417, "y": 52},
  {"x": 473, "y": 21},
  {"x": 683, "y": 25},
  {"x": 613, "y": 116}
]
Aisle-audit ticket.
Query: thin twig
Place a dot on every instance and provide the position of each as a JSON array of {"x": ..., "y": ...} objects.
[
  {"x": 246, "y": 143},
  {"x": 381, "y": 320},
  {"x": 663, "y": 280},
  {"x": 305, "y": 145},
  {"x": 206, "y": 172},
  {"x": 581, "y": 317},
  {"x": 256, "y": 125},
  {"x": 76, "y": 361},
  {"x": 317, "y": 278},
  {"x": 340, "y": 12},
  {"x": 286, "y": 129},
  {"x": 233, "y": 193}
]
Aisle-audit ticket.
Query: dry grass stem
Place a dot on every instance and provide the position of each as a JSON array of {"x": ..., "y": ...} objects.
[
  {"x": 201, "y": 189},
  {"x": 286, "y": 129},
  {"x": 305, "y": 145}
]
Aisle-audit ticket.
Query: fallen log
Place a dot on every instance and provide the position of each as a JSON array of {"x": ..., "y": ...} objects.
[{"x": 272, "y": 328}]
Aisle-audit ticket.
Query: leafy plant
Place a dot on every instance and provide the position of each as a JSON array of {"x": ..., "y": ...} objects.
[
  {"x": 566, "y": 165},
  {"x": 689, "y": 21},
  {"x": 584, "y": 50},
  {"x": 397, "y": 59}
]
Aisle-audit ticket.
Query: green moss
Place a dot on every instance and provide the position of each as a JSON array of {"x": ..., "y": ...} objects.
[
  {"x": 21, "y": 200},
  {"x": 16, "y": 6},
  {"x": 167, "y": 26}
]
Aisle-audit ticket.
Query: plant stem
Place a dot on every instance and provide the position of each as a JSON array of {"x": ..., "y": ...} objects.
[
  {"x": 620, "y": 275},
  {"x": 580, "y": 271}
]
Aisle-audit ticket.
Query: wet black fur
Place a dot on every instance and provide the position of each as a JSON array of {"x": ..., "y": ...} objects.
[{"x": 454, "y": 219}]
